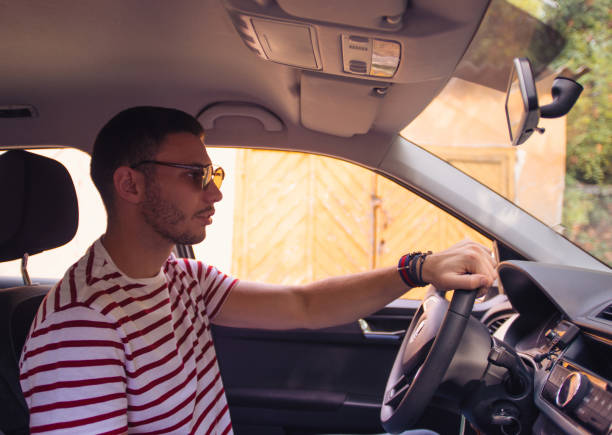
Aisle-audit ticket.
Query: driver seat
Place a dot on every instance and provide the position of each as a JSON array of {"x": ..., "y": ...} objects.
[{"x": 40, "y": 212}]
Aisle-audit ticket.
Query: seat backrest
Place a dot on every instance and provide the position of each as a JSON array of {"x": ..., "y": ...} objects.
[
  {"x": 39, "y": 212},
  {"x": 18, "y": 306}
]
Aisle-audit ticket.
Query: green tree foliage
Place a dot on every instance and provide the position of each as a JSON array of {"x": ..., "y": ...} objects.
[{"x": 586, "y": 25}]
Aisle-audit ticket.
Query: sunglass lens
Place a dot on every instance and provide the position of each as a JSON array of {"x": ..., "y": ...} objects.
[{"x": 218, "y": 177}]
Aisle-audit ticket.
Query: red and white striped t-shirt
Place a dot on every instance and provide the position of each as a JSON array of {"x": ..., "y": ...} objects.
[{"x": 110, "y": 354}]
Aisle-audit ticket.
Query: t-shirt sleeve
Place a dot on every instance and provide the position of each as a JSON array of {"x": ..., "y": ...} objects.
[
  {"x": 214, "y": 285},
  {"x": 72, "y": 374}
]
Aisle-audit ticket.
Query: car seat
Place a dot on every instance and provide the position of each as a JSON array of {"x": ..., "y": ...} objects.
[{"x": 40, "y": 212}]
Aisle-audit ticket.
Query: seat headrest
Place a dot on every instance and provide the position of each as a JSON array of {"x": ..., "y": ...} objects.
[{"x": 39, "y": 204}]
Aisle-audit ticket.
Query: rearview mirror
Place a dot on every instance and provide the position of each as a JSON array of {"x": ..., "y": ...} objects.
[{"x": 522, "y": 109}]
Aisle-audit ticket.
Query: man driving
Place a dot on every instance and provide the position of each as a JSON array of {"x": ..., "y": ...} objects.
[{"x": 123, "y": 342}]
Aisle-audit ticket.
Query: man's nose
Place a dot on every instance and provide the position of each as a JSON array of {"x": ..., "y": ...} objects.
[{"x": 212, "y": 192}]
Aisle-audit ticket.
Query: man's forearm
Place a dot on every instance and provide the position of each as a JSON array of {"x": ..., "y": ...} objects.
[
  {"x": 328, "y": 302},
  {"x": 343, "y": 299}
]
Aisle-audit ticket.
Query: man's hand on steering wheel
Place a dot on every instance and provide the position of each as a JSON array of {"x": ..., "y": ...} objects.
[
  {"x": 465, "y": 265},
  {"x": 435, "y": 331}
]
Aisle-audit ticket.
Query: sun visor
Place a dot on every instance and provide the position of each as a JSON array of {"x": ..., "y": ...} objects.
[{"x": 339, "y": 106}]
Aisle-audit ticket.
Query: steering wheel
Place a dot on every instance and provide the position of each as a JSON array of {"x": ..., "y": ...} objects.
[{"x": 426, "y": 352}]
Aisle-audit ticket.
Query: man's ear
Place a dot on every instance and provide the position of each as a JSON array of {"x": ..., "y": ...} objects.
[{"x": 129, "y": 184}]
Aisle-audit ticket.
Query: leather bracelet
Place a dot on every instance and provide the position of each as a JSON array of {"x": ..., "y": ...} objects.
[
  {"x": 410, "y": 268},
  {"x": 403, "y": 267},
  {"x": 422, "y": 259}
]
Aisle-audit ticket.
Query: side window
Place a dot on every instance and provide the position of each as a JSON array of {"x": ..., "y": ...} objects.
[
  {"x": 92, "y": 220},
  {"x": 294, "y": 218}
]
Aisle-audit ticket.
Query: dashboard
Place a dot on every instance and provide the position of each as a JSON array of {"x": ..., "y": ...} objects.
[
  {"x": 563, "y": 332},
  {"x": 575, "y": 383}
]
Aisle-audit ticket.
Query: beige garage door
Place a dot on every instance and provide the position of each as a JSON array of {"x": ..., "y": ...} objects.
[{"x": 300, "y": 217}]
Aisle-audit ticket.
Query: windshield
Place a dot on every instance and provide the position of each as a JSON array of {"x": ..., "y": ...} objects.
[{"x": 563, "y": 176}]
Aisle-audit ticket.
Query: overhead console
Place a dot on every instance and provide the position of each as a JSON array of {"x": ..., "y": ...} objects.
[
  {"x": 354, "y": 55},
  {"x": 393, "y": 40}
]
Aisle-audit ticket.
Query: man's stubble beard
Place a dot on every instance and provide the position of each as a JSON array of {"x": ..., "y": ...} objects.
[{"x": 165, "y": 218}]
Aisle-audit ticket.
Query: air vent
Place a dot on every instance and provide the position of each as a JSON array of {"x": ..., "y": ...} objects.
[
  {"x": 18, "y": 111},
  {"x": 606, "y": 314},
  {"x": 495, "y": 322}
]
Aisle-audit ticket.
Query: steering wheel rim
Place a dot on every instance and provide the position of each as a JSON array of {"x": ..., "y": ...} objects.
[{"x": 424, "y": 356}]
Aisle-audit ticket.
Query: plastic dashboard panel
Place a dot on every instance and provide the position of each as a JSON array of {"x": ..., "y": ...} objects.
[
  {"x": 569, "y": 297},
  {"x": 578, "y": 293}
]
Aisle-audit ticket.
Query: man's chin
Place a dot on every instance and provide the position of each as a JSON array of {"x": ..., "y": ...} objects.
[
  {"x": 190, "y": 239},
  {"x": 201, "y": 237},
  {"x": 198, "y": 238}
]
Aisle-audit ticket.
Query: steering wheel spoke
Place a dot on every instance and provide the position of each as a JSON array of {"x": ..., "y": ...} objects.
[{"x": 394, "y": 395}]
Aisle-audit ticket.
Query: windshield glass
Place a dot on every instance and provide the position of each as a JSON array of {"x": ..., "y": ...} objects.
[{"x": 563, "y": 176}]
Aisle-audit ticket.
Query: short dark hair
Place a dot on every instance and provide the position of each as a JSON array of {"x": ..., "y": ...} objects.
[{"x": 133, "y": 135}]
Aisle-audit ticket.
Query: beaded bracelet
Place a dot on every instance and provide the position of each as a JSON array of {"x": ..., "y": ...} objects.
[{"x": 410, "y": 268}]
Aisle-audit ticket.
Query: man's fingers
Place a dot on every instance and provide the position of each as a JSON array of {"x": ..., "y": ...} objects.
[
  {"x": 484, "y": 262},
  {"x": 466, "y": 265},
  {"x": 488, "y": 254},
  {"x": 470, "y": 282},
  {"x": 489, "y": 265}
]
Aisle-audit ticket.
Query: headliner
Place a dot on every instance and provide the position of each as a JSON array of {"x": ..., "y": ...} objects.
[{"x": 80, "y": 62}]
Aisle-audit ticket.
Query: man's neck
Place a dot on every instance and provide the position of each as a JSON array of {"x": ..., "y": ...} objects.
[{"x": 137, "y": 255}]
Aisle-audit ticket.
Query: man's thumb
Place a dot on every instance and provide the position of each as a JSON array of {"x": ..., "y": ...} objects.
[{"x": 470, "y": 282}]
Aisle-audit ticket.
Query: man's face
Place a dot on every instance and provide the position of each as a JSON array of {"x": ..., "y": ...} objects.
[{"x": 176, "y": 207}]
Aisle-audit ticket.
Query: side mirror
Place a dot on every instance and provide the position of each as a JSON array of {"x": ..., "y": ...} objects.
[{"x": 522, "y": 108}]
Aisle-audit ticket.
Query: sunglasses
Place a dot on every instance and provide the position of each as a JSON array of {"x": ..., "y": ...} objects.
[{"x": 202, "y": 175}]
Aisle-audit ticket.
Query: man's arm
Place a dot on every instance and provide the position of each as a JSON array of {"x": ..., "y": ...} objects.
[
  {"x": 343, "y": 299},
  {"x": 72, "y": 374}
]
